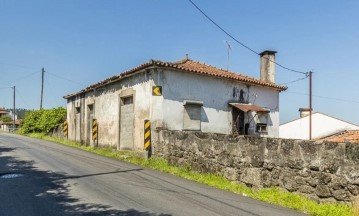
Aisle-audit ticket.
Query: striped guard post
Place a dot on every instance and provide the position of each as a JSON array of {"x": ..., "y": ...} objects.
[
  {"x": 147, "y": 136},
  {"x": 65, "y": 129},
  {"x": 94, "y": 129}
]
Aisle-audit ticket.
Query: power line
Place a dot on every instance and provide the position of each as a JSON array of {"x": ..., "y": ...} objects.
[
  {"x": 236, "y": 40},
  {"x": 323, "y": 97},
  {"x": 27, "y": 76},
  {"x": 24, "y": 77},
  {"x": 18, "y": 93},
  {"x": 297, "y": 80},
  {"x": 63, "y": 78}
]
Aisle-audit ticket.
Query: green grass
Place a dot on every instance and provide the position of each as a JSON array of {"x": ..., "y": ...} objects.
[{"x": 271, "y": 195}]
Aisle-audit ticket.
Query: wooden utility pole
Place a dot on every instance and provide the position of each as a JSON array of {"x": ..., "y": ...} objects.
[
  {"x": 310, "y": 105},
  {"x": 13, "y": 114},
  {"x": 42, "y": 86}
]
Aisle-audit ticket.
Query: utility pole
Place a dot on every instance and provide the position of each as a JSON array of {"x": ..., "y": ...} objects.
[
  {"x": 310, "y": 105},
  {"x": 13, "y": 114},
  {"x": 42, "y": 87}
]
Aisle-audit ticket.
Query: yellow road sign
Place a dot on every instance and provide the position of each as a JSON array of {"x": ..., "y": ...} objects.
[{"x": 157, "y": 90}]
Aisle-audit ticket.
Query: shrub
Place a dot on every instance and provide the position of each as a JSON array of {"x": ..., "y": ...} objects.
[
  {"x": 42, "y": 121},
  {"x": 6, "y": 119}
]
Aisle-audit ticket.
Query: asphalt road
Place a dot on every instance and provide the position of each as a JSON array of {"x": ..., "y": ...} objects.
[{"x": 59, "y": 180}]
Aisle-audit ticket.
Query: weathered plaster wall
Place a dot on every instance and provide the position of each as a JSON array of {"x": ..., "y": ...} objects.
[
  {"x": 165, "y": 111},
  {"x": 322, "y": 125},
  {"x": 215, "y": 93},
  {"x": 323, "y": 171},
  {"x": 106, "y": 103}
]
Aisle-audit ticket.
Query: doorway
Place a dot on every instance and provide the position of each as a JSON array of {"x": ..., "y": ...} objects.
[
  {"x": 90, "y": 117},
  {"x": 126, "y": 123},
  {"x": 77, "y": 124},
  {"x": 238, "y": 126}
]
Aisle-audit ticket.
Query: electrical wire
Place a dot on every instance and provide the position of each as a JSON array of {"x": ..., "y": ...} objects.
[
  {"x": 297, "y": 80},
  {"x": 239, "y": 42},
  {"x": 27, "y": 76},
  {"x": 24, "y": 77},
  {"x": 323, "y": 97},
  {"x": 63, "y": 78},
  {"x": 23, "y": 100}
]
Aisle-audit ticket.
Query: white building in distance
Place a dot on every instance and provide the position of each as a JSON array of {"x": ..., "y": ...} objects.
[{"x": 322, "y": 126}]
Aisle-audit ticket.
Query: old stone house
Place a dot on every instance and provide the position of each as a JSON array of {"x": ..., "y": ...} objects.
[{"x": 183, "y": 95}]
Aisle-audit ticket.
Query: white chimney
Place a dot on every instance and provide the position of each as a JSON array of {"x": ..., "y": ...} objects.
[
  {"x": 304, "y": 112},
  {"x": 268, "y": 66}
]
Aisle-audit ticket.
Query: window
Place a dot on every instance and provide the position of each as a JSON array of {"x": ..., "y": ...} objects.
[
  {"x": 261, "y": 127},
  {"x": 127, "y": 100},
  {"x": 77, "y": 110},
  {"x": 192, "y": 117},
  {"x": 90, "y": 107}
]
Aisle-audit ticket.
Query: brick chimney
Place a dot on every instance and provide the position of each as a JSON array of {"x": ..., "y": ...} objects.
[{"x": 267, "y": 66}]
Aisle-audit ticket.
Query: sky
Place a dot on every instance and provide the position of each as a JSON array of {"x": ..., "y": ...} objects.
[{"x": 81, "y": 42}]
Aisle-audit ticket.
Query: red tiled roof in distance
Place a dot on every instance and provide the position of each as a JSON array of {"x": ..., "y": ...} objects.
[
  {"x": 351, "y": 136},
  {"x": 3, "y": 111},
  {"x": 186, "y": 65}
]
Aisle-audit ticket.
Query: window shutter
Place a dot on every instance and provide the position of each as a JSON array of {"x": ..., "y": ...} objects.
[{"x": 192, "y": 117}]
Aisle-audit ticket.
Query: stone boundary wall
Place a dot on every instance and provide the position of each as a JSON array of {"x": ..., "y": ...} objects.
[
  {"x": 320, "y": 170},
  {"x": 57, "y": 132}
]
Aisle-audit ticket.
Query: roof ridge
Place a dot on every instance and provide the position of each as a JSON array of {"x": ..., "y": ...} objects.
[
  {"x": 188, "y": 65},
  {"x": 181, "y": 61},
  {"x": 224, "y": 70}
]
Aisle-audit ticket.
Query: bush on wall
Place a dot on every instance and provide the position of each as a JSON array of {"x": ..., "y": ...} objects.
[{"x": 42, "y": 121}]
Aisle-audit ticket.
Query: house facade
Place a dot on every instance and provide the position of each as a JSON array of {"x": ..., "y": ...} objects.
[
  {"x": 3, "y": 112},
  {"x": 322, "y": 126},
  {"x": 184, "y": 95}
]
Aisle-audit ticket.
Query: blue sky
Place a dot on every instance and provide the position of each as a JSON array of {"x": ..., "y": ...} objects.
[{"x": 80, "y": 42}]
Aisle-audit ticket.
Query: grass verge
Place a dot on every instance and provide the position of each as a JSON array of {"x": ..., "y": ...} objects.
[{"x": 270, "y": 195}]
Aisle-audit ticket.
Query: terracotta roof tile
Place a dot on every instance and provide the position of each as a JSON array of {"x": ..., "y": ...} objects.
[
  {"x": 351, "y": 136},
  {"x": 185, "y": 65},
  {"x": 3, "y": 111}
]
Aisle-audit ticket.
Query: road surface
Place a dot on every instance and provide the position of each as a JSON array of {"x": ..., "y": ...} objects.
[{"x": 38, "y": 177}]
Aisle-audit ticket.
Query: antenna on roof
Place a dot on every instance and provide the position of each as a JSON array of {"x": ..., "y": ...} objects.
[{"x": 228, "y": 49}]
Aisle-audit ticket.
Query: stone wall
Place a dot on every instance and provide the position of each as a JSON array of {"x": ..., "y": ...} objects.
[
  {"x": 57, "y": 132},
  {"x": 322, "y": 171}
]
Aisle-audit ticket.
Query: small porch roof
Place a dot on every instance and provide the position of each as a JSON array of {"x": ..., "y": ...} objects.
[{"x": 249, "y": 107}]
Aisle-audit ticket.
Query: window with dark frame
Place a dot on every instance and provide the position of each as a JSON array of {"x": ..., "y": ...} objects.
[
  {"x": 261, "y": 128},
  {"x": 127, "y": 100},
  {"x": 77, "y": 110}
]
